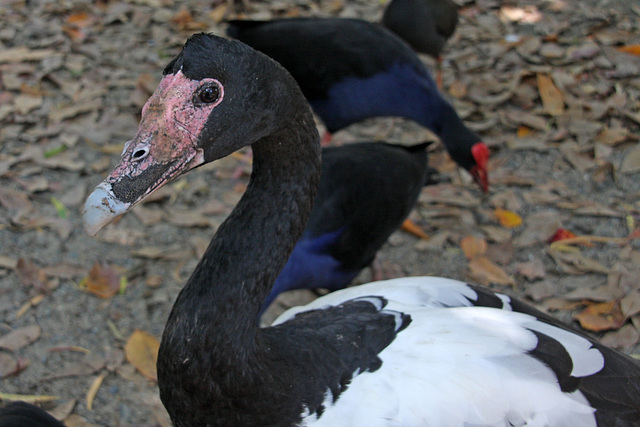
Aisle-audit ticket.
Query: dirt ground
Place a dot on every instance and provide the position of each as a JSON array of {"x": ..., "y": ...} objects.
[{"x": 552, "y": 86}]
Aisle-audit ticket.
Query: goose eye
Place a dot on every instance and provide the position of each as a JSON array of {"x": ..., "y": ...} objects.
[{"x": 209, "y": 94}]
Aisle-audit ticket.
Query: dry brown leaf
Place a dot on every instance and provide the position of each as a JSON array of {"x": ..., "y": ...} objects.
[
  {"x": 218, "y": 13},
  {"x": 631, "y": 161},
  {"x": 23, "y": 54},
  {"x": 602, "y": 316},
  {"x": 142, "y": 352},
  {"x": 8, "y": 263},
  {"x": 612, "y": 136},
  {"x": 576, "y": 263},
  {"x": 93, "y": 390},
  {"x": 31, "y": 275},
  {"x": 102, "y": 280},
  {"x": 10, "y": 366},
  {"x": 29, "y": 398},
  {"x": 531, "y": 270},
  {"x": 19, "y": 338},
  {"x": 540, "y": 290},
  {"x": 27, "y": 103},
  {"x": 485, "y": 271},
  {"x": 188, "y": 218},
  {"x": 458, "y": 89},
  {"x": 154, "y": 252},
  {"x": 62, "y": 411},
  {"x": 623, "y": 338},
  {"x": 597, "y": 294},
  {"x": 550, "y": 95},
  {"x": 630, "y": 304},
  {"x": 538, "y": 227},
  {"x": 473, "y": 246}
]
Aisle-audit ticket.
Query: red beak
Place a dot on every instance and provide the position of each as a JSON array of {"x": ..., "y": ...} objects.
[{"x": 480, "y": 153}]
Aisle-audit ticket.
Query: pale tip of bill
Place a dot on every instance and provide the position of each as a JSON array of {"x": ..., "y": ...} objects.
[{"x": 101, "y": 208}]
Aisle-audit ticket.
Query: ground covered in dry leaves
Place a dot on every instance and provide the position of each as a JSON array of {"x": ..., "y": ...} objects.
[{"x": 552, "y": 86}]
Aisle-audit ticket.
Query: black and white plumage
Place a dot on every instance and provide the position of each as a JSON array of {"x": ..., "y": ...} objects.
[{"x": 411, "y": 351}]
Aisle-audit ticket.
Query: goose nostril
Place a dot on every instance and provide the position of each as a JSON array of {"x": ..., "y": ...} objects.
[{"x": 139, "y": 154}]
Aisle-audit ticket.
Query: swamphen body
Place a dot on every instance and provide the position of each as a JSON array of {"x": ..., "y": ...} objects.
[
  {"x": 406, "y": 352},
  {"x": 366, "y": 190},
  {"x": 351, "y": 70},
  {"x": 425, "y": 24},
  {"x": 22, "y": 414}
]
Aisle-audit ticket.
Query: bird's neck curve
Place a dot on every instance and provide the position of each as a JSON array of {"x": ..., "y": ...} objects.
[
  {"x": 210, "y": 336},
  {"x": 456, "y": 137}
]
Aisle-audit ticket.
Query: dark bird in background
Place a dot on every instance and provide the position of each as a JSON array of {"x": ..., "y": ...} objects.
[
  {"x": 366, "y": 190},
  {"x": 425, "y": 24},
  {"x": 351, "y": 70},
  {"x": 22, "y": 414}
]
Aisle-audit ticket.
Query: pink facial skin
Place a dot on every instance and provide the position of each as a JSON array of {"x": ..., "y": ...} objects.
[
  {"x": 164, "y": 147},
  {"x": 171, "y": 121}
]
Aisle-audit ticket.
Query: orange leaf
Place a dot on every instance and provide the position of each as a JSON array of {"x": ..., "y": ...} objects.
[
  {"x": 561, "y": 234},
  {"x": 102, "y": 281},
  {"x": 142, "y": 352},
  {"x": 524, "y": 131},
  {"x": 411, "y": 227},
  {"x": 473, "y": 246},
  {"x": 550, "y": 95},
  {"x": 483, "y": 269},
  {"x": 633, "y": 49},
  {"x": 508, "y": 219},
  {"x": 601, "y": 316},
  {"x": 79, "y": 20}
]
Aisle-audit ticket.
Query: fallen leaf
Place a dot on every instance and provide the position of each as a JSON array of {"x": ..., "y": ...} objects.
[
  {"x": 531, "y": 270},
  {"x": 23, "y": 54},
  {"x": 142, "y": 352},
  {"x": 31, "y": 275},
  {"x": 8, "y": 263},
  {"x": 576, "y": 263},
  {"x": 540, "y": 290},
  {"x": 633, "y": 49},
  {"x": 508, "y": 219},
  {"x": 93, "y": 390},
  {"x": 102, "y": 280},
  {"x": 561, "y": 234},
  {"x": 27, "y": 103},
  {"x": 550, "y": 95},
  {"x": 62, "y": 411},
  {"x": 630, "y": 304},
  {"x": 154, "y": 252},
  {"x": 19, "y": 338},
  {"x": 484, "y": 270},
  {"x": 411, "y": 227},
  {"x": 602, "y": 316},
  {"x": 631, "y": 160},
  {"x": 623, "y": 338},
  {"x": 10, "y": 366},
  {"x": 523, "y": 131},
  {"x": 80, "y": 19},
  {"x": 473, "y": 246},
  {"x": 538, "y": 228},
  {"x": 29, "y": 398}
]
